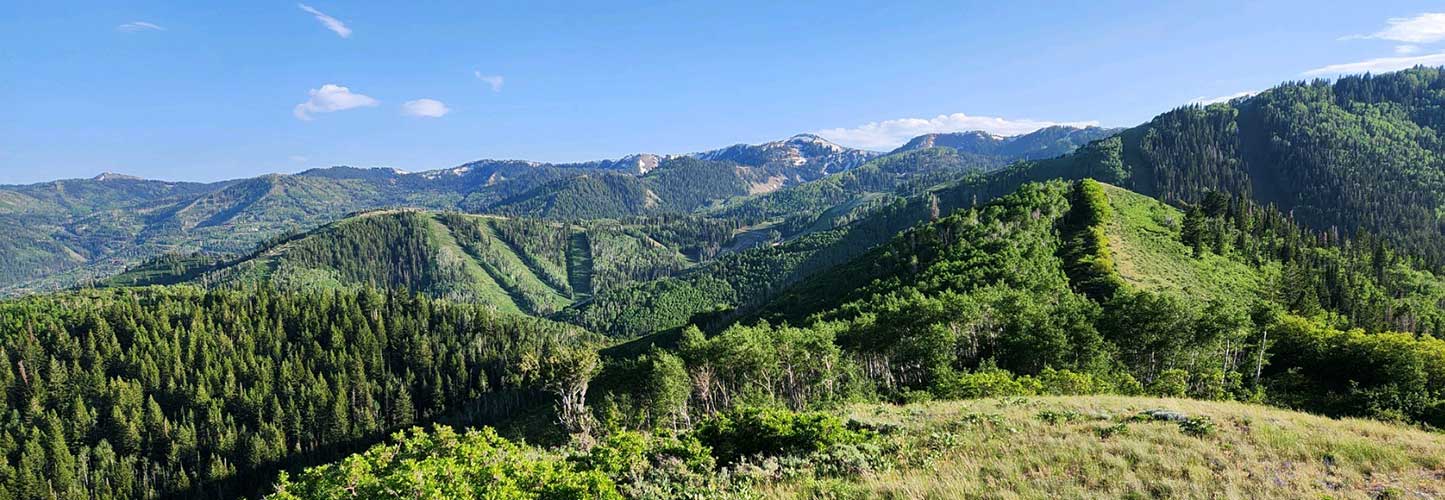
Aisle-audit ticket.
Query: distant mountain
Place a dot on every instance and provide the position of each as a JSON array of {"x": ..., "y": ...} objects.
[
  {"x": 1046, "y": 142},
  {"x": 519, "y": 265},
  {"x": 74, "y": 231},
  {"x": 805, "y": 156}
]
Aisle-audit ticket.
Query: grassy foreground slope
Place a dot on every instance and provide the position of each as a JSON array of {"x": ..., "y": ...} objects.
[
  {"x": 1094, "y": 447},
  {"x": 1015, "y": 447}
]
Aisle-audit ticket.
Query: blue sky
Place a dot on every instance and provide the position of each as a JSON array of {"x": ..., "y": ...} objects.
[{"x": 208, "y": 91}]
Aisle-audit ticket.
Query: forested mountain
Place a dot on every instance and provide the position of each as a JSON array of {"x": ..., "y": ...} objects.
[
  {"x": 1046, "y": 142},
  {"x": 527, "y": 266},
  {"x": 76, "y": 231},
  {"x": 1357, "y": 153}
]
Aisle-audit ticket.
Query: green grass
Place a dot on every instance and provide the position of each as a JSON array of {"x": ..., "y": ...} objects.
[
  {"x": 1148, "y": 254},
  {"x": 1005, "y": 448},
  {"x": 480, "y": 286},
  {"x": 505, "y": 269},
  {"x": 579, "y": 265}
]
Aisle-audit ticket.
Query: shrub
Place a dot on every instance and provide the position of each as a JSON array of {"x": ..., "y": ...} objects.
[
  {"x": 914, "y": 397},
  {"x": 652, "y": 466},
  {"x": 1054, "y": 417},
  {"x": 749, "y": 431},
  {"x": 849, "y": 460},
  {"x": 1108, "y": 431},
  {"x": 1170, "y": 384},
  {"x": 1197, "y": 426},
  {"x": 1070, "y": 383},
  {"x": 1212, "y": 385},
  {"x": 983, "y": 384},
  {"x": 443, "y": 464}
]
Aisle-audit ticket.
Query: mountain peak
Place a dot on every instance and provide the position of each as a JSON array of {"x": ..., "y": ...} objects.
[
  {"x": 805, "y": 137},
  {"x": 112, "y": 176},
  {"x": 1046, "y": 142}
]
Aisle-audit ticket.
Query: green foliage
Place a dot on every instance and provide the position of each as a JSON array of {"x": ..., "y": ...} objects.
[
  {"x": 798, "y": 367},
  {"x": 647, "y": 392},
  {"x": 1388, "y": 373},
  {"x": 983, "y": 384},
  {"x": 1173, "y": 383},
  {"x": 1199, "y": 426},
  {"x": 159, "y": 390},
  {"x": 444, "y": 465},
  {"x": 655, "y": 466},
  {"x": 749, "y": 431},
  {"x": 1088, "y": 260}
]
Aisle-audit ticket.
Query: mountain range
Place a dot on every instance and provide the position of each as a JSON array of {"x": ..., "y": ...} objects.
[{"x": 76, "y": 231}]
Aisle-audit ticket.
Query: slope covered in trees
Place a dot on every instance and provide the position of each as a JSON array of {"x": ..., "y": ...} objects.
[
  {"x": 1101, "y": 281},
  {"x": 1047, "y": 142},
  {"x": 517, "y": 265},
  {"x": 135, "y": 393},
  {"x": 1357, "y": 153}
]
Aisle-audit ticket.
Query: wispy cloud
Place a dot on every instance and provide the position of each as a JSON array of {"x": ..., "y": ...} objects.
[
  {"x": 425, "y": 108},
  {"x": 329, "y": 22},
  {"x": 134, "y": 26},
  {"x": 331, "y": 98},
  {"x": 1428, "y": 27},
  {"x": 1223, "y": 98},
  {"x": 889, "y": 134},
  {"x": 1379, "y": 65},
  {"x": 1406, "y": 50},
  {"x": 495, "y": 81},
  {"x": 297, "y": 158}
]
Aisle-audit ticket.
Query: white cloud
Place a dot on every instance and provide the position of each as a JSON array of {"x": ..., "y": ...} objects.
[
  {"x": 1379, "y": 65},
  {"x": 330, "y": 98},
  {"x": 889, "y": 134},
  {"x": 426, "y": 108},
  {"x": 1405, "y": 50},
  {"x": 495, "y": 81},
  {"x": 331, "y": 23},
  {"x": 134, "y": 26},
  {"x": 297, "y": 158},
  {"x": 1223, "y": 98},
  {"x": 1428, "y": 27}
]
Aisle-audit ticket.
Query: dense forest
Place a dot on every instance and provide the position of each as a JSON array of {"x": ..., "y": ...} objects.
[
  {"x": 145, "y": 392},
  {"x": 1359, "y": 152}
]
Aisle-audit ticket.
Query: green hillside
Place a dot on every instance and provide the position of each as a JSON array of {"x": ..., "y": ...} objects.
[
  {"x": 1357, "y": 153},
  {"x": 1046, "y": 447},
  {"x": 1149, "y": 254},
  {"x": 517, "y": 265}
]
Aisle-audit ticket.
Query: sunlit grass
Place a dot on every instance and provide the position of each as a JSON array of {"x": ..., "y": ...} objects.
[{"x": 1002, "y": 448}]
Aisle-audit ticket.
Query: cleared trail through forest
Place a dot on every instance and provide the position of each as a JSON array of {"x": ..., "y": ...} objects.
[{"x": 579, "y": 266}]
